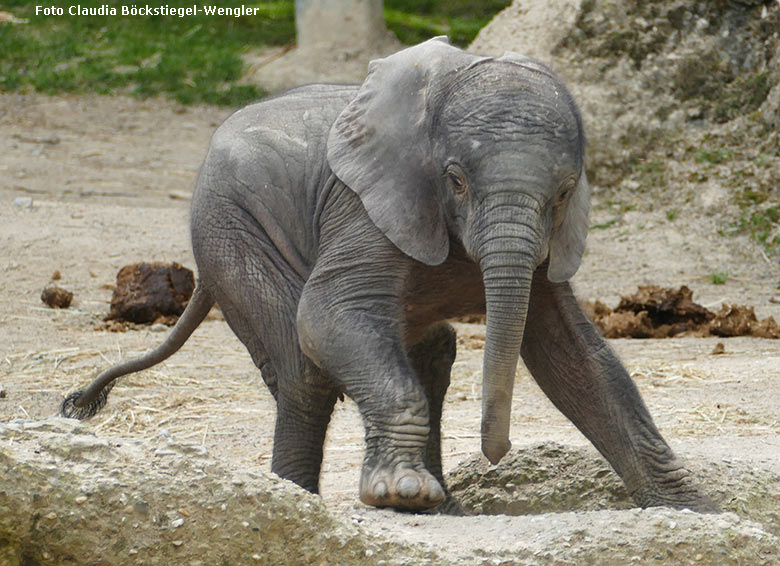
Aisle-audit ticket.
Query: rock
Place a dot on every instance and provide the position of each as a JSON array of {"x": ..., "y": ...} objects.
[
  {"x": 718, "y": 349},
  {"x": 146, "y": 292},
  {"x": 56, "y": 297},
  {"x": 606, "y": 538},
  {"x": 23, "y": 202},
  {"x": 70, "y": 497}
]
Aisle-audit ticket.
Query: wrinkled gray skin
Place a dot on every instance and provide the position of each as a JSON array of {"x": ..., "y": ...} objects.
[{"x": 338, "y": 227}]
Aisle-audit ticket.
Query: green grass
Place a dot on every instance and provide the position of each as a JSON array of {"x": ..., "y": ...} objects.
[
  {"x": 719, "y": 278},
  {"x": 714, "y": 157},
  {"x": 608, "y": 224},
  {"x": 649, "y": 173},
  {"x": 760, "y": 219},
  {"x": 192, "y": 59},
  {"x": 762, "y": 224},
  {"x": 414, "y": 21}
]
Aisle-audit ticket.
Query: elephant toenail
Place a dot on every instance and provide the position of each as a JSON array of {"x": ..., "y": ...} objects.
[
  {"x": 408, "y": 487},
  {"x": 380, "y": 490},
  {"x": 436, "y": 493}
]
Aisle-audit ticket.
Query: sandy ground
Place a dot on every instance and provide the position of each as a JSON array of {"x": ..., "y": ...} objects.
[{"x": 89, "y": 184}]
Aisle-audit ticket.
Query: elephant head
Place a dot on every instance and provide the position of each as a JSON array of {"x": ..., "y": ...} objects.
[{"x": 438, "y": 144}]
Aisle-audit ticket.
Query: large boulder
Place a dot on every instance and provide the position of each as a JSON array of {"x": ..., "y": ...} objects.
[
  {"x": 69, "y": 497},
  {"x": 643, "y": 72}
]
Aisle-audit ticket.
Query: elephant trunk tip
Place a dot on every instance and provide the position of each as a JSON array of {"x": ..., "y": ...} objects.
[{"x": 495, "y": 449}]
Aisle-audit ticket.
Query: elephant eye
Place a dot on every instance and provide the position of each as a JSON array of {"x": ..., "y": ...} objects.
[
  {"x": 457, "y": 179},
  {"x": 566, "y": 189}
]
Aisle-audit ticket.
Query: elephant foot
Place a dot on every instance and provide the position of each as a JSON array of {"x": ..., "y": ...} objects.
[
  {"x": 689, "y": 498},
  {"x": 451, "y": 507},
  {"x": 403, "y": 487}
]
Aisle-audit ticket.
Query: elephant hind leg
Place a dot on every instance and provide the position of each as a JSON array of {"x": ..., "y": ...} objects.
[
  {"x": 432, "y": 359},
  {"x": 303, "y": 413},
  {"x": 304, "y": 396},
  {"x": 259, "y": 302}
]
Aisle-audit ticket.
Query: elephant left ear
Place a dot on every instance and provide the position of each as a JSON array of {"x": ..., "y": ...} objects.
[{"x": 567, "y": 244}]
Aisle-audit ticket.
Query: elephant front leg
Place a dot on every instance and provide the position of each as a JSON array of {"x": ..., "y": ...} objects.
[
  {"x": 581, "y": 375},
  {"x": 394, "y": 471},
  {"x": 348, "y": 325}
]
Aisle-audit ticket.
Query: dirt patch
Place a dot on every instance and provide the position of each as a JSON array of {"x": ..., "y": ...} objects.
[
  {"x": 553, "y": 478},
  {"x": 658, "y": 312},
  {"x": 543, "y": 478}
]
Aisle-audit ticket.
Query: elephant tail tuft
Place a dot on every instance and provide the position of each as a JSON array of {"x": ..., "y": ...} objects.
[{"x": 86, "y": 403}]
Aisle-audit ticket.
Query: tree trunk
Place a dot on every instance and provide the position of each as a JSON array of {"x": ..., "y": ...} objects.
[
  {"x": 341, "y": 24},
  {"x": 336, "y": 41}
]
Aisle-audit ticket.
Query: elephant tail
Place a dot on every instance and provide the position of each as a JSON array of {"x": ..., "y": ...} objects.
[{"x": 86, "y": 403}]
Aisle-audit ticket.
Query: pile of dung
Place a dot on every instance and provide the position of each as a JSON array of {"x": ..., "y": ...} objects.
[
  {"x": 56, "y": 297},
  {"x": 151, "y": 292},
  {"x": 657, "y": 312}
]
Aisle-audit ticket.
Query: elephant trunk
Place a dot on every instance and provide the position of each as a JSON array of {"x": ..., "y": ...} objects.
[{"x": 507, "y": 262}]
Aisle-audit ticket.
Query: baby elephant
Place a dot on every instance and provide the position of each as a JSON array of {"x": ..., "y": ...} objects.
[{"x": 338, "y": 227}]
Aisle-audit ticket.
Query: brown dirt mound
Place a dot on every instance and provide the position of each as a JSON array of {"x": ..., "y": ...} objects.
[{"x": 657, "y": 312}]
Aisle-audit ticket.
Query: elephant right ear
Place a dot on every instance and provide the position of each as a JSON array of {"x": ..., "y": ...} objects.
[{"x": 380, "y": 147}]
